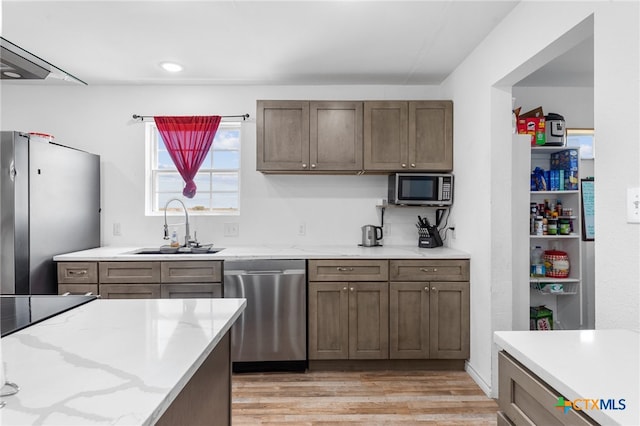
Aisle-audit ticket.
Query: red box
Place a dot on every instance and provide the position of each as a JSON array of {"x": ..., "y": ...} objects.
[{"x": 534, "y": 126}]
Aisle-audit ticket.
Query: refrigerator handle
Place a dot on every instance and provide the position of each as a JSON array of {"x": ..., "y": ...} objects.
[{"x": 12, "y": 171}]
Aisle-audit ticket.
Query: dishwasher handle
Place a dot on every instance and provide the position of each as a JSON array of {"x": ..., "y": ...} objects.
[{"x": 266, "y": 272}]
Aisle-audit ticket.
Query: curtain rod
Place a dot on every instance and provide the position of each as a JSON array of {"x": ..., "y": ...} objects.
[{"x": 142, "y": 117}]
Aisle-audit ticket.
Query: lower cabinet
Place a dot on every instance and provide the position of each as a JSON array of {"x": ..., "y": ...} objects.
[
  {"x": 428, "y": 320},
  {"x": 524, "y": 398},
  {"x": 142, "y": 280},
  {"x": 419, "y": 312},
  {"x": 348, "y": 320}
]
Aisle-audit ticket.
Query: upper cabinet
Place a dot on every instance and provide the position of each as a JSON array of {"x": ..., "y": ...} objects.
[
  {"x": 283, "y": 135},
  {"x": 302, "y": 136},
  {"x": 408, "y": 136},
  {"x": 353, "y": 136}
]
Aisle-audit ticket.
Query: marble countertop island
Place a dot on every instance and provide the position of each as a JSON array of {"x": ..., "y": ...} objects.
[
  {"x": 269, "y": 252},
  {"x": 116, "y": 362},
  {"x": 591, "y": 364}
]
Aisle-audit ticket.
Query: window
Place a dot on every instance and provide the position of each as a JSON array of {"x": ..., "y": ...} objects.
[{"x": 218, "y": 180}]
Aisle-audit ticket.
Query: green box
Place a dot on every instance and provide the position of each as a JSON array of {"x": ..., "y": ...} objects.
[{"x": 540, "y": 318}]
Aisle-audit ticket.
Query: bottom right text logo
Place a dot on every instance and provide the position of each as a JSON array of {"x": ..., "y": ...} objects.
[{"x": 590, "y": 404}]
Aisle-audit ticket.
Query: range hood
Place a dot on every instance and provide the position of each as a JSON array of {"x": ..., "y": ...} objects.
[{"x": 19, "y": 64}]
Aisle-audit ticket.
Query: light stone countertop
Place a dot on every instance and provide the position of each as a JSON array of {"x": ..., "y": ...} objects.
[
  {"x": 269, "y": 252},
  {"x": 111, "y": 362},
  {"x": 591, "y": 364}
]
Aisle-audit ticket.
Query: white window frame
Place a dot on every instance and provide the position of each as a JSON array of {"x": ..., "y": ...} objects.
[{"x": 151, "y": 153}]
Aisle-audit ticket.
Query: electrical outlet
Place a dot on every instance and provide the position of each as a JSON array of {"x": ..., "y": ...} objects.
[
  {"x": 633, "y": 205},
  {"x": 117, "y": 231},
  {"x": 452, "y": 228},
  {"x": 231, "y": 229},
  {"x": 302, "y": 229}
]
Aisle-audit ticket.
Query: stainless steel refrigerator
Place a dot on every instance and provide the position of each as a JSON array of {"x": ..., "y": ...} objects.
[{"x": 49, "y": 205}]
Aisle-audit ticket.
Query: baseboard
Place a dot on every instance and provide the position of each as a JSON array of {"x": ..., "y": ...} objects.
[{"x": 486, "y": 388}]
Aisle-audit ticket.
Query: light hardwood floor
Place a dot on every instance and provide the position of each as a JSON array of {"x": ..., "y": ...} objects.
[{"x": 366, "y": 398}]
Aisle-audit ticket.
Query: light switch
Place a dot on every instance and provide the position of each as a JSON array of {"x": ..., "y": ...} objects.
[{"x": 633, "y": 205}]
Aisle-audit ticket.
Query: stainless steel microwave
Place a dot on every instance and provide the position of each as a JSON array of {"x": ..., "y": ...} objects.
[{"x": 421, "y": 189}]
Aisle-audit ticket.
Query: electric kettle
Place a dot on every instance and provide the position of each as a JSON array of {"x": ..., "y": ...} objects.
[{"x": 371, "y": 235}]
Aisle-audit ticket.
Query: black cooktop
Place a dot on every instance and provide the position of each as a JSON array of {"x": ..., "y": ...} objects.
[{"x": 18, "y": 312}]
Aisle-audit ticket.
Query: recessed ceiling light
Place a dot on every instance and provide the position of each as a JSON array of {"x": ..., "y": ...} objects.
[
  {"x": 11, "y": 74},
  {"x": 171, "y": 66}
]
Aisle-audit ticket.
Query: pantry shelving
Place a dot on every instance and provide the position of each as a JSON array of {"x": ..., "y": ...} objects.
[{"x": 551, "y": 228}]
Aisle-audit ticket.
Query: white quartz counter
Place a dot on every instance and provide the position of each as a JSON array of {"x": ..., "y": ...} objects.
[
  {"x": 115, "y": 362},
  {"x": 591, "y": 364},
  {"x": 270, "y": 252}
]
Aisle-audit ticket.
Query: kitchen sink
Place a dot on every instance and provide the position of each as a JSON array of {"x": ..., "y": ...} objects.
[{"x": 181, "y": 250}]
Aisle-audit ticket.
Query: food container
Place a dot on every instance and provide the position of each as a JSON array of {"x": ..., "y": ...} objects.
[
  {"x": 555, "y": 132},
  {"x": 556, "y": 264}
]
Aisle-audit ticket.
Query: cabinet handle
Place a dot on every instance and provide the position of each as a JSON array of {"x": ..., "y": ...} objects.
[
  {"x": 304, "y": 165},
  {"x": 404, "y": 166},
  {"x": 344, "y": 269},
  {"x": 426, "y": 288},
  {"x": 413, "y": 165},
  {"x": 81, "y": 272},
  {"x": 434, "y": 289},
  {"x": 313, "y": 166},
  {"x": 344, "y": 289},
  {"x": 351, "y": 289},
  {"x": 429, "y": 270}
]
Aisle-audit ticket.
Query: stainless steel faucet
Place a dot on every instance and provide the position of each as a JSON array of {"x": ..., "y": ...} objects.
[{"x": 187, "y": 236}]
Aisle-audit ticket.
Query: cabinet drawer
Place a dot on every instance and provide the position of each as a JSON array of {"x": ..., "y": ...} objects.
[
  {"x": 348, "y": 270},
  {"x": 78, "y": 288},
  {"x": 130, "y": 291},
  {"x": 191, "y": 272},
  {"x": 129, "y": 272},
  {"x": 191, "y": 291},
  {"x": 77, "y": 272},
  {"x": 526, "y": 399},
  {"x": 429, "y": 270}
]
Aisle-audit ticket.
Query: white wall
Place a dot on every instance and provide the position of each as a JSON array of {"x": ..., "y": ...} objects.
[
  {"x": 98, "y": 119},
  {"x": 575, "y": 104},
  {"x": 617, "y": 166},
  {"x": 482, "y": 150}
]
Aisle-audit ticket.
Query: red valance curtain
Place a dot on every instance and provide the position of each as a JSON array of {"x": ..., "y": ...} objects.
[{"x": 188, "y": 140}]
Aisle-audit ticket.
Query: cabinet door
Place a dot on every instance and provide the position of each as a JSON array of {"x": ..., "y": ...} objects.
[
  {"x": 429, "y": 270},
  {"x": 386, "y": 136},
  {"x": 129, "y": 272},
  {"x": 449, "y": 320},
  {"x": 77, "y": 272},
  {"x": 282, "y": 135},
  {"x": 408, "y": 320},
  {"x": 191, "y": 291},
  {"x": 130, "y": 291},
  {"x": 431, "y": 135},
  {"x": 198, "y": 271},
  {"x": 336, "y": 136},
  {"x": 369, "y": 320},
  {"x": 328, "y": 320},
  {"x": 348, "y": 270}
]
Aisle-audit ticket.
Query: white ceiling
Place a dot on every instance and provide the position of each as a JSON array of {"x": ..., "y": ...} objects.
[{"x": 253, "y": 42}]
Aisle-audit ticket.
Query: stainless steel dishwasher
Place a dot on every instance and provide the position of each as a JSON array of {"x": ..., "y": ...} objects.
[{"x": 271, "y": 334}]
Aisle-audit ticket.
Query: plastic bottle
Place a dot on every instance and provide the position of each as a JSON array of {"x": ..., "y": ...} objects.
[
  {"x": 174, "y": 239},
  {"x": 537, "y": 262}
]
